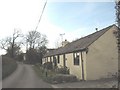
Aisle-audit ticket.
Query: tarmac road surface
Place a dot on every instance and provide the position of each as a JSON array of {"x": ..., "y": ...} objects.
[{"x": 24, "y": 77}]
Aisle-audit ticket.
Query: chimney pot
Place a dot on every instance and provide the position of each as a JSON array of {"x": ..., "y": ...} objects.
[{"x": 96, "y": 29}]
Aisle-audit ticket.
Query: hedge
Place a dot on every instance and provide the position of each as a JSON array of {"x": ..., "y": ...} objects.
[{"x": 8, "y": 66}]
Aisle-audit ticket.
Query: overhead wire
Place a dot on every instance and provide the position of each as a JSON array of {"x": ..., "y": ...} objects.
[{"x": 41, "y": 15}]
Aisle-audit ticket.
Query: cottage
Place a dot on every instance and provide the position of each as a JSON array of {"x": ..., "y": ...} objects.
[{"x": 89, "y": 58}]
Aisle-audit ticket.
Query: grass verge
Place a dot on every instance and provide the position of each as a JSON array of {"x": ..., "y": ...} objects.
[
  {"x": 53, "y": 77},
  {"x": 8, "y": 66},
  {"x": 48, "y": 77}
]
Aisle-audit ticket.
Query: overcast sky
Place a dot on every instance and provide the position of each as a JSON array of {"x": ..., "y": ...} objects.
[{"x": 75, "y": 19}]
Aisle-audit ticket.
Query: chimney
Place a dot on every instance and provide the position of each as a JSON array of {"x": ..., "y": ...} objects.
[
  {"x": 96, "y": 29},
  {"x": 64, "y": 43}
]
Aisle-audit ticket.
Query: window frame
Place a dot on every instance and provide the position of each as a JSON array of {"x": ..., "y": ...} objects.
[
  {"x": 76, "y": 58},
  {"x": 50, "y": 59}
]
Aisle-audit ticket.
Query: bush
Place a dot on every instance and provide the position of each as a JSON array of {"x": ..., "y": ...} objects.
[
  {"x": 53, "y": 77},
  {"x": 8, "y": 66},
  {"x": 63, "y": 70},
  {"x": 48, "y": 65},
  {"x": 32, "y": 56}
]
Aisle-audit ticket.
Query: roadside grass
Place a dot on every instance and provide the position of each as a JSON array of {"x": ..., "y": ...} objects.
[
  {"x": 8, "y": 66},
  {"x": 44, "y": 75},
  {"x": 53, "y": 77}
]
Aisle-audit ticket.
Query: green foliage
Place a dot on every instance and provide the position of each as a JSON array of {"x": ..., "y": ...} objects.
[{"x": 8, "y": 66}]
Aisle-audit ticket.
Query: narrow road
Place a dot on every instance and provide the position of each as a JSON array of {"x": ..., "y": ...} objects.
[{"x": 24, "y": 77}]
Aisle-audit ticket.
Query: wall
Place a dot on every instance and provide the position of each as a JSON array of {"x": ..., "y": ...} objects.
[
  {"x": 61, "y": 61},
  {"x": 102, "y": 57},
  {"x": 43, "y": 60},
  {"x": 76, "y": 69},
  {"x": 47, "y": 59}
]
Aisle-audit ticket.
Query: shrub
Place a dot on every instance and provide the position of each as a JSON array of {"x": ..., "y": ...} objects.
[
  {"x": 48, "y": 65},
  {"x": 63, "y": 70},
  {"x": 53, "y": 77}
]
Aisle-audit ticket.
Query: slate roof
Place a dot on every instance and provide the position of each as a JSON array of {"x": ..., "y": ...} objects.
[{"x": 80, "y": 44}]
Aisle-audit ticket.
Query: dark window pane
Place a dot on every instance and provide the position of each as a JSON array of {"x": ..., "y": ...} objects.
[
  {"x": 76, "y": 59},
  {"x": 58, "y": 59}
]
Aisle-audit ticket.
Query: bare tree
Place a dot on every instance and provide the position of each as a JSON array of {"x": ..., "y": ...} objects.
[
  {"x": 16, "y": 51},
  {"x": 10, "y": 43},
  {"x": 5, "y": 43},
  {"x": 36, "y": 47},
  {"x": 35, "y": 39}
]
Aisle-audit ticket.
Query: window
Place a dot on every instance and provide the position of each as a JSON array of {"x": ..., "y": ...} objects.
[
  {"x": 50, "y": 59},
  {"x": 54, "y": 61},
  {"x": 58, "y": 59},
  {"x": 47, "y": 59},
  {"x": 76, "y": 58}
]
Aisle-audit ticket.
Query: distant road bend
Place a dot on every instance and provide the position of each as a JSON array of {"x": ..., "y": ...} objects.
[{"x": 24, "y": 77}]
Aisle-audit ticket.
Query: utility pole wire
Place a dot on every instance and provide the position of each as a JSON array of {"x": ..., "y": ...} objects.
[{"x": 41, "y": 15}]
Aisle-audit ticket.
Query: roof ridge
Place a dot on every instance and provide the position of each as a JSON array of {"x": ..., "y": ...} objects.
[
  {"x": 80, "y": 44},
  {"x": 92, "y": 33}
]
